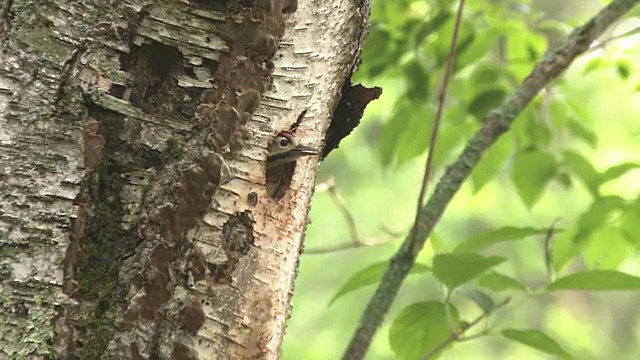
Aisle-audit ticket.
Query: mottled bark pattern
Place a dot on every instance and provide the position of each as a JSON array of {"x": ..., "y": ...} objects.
[
  {"x": 134, "y": 218},
  {"x": 174, "y": 264}
]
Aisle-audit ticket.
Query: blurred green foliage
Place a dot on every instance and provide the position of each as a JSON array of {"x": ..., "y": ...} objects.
[{"x": 550, "y": 218}]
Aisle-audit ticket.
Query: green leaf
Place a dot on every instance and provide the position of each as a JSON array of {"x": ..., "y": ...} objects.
[
  {"x": 522, "y": 129},
  {"x": 629, "y": 226},
  {"x": 420, "y": 328},
  {"x": 486, "y": 76},
  {"x": 597, "y": 215},
  {"x": 499, "y": 282},
  {"x": 477, "y": 49},
  {"x": 492, "y": 162},
  {"x": 456, "y": 269},
  {"x": 531, "y": 172},
  {"x": 408, "y": 132},
  {"x": 379, "y": 49},
  {"x": 464, "y": 44},
  {"x": 484, "y": 301},
  {"x": 434, "y": 24},
  {"x": 394, "y": 129},
  {"x": 523, "y": 48},
  {"x": 615, "y": 172},
  {"x": 537, "y": 340},
  {"x": 580, "y": 167},
  {"x": 492, "y": 237},
  {"x": 449, "y": 138},
  {"x": 436, "y": 242},
  {"x": 581, "y": 132},
  {"x": 565, "y": 249},
  {"x": 418, "y": 81},
  {"x": 597, "y": 280},
  {"x": 539, "y": 132},
  {"x": 394, "y": 14},
  {"x": 607, "y": 249},
  {"x": 564, "y": 179},
  {"x": 369, "y": 276},
  {"x": 417, "y": 134},
  {"x": 486, "y": 101},
  {"x": 594, "y": 64},
  {"x": 624, "y": 69}
]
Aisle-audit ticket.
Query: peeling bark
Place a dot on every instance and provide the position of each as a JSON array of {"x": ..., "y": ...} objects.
[{"x": 134, "y": 218}]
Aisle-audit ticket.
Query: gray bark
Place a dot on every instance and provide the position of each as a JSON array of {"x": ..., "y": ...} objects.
[{"x": 134, "y": 219}]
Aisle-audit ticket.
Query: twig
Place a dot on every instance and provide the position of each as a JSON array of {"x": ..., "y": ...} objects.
[
  {"x": 356, "y": 240},
  {"x": 351, "y": 222},
  {"x": 605, "y": 42},
  {"x": 457, "y": 336},
  {"x": 436, "y": 124},
  {"x": 548, "y": 251},
  {"x": 594, "y": 47},
  {"x": 496, "y": 123},
  {"x": 378, "y": 240},
  {"x": 324, "y": 186}
]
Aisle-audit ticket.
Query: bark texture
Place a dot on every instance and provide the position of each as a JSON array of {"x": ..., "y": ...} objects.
[{"x": 134, "y": 219}]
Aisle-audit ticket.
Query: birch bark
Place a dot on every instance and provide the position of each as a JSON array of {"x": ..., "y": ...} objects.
[{"x": 134, "y": 220}]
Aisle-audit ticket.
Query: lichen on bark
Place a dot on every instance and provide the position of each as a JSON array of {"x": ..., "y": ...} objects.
[
  {"x": 141, "y": 128},
  {"x": 145, "y": 263}
]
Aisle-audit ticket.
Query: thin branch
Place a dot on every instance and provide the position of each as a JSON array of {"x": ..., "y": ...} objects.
[
  {"x": 324, "y": 186},
  {"x": 375, "y": 241},
  {"x": 330, "y": 186},
  {"x": 356, "y": 240},
  {"x": 606, "y": 42},
  {"x": 601, "y": 44},
  {"x": 436, "y": 124},
  {"x": 457, "y": 336},
  {"x": 496, "y": 123},
  {"x": 548, "y": 251},
  {"x": 351, "y": 221}
]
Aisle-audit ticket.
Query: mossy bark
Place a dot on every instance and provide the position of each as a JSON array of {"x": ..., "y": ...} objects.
[{"x": 134, "y": 219}]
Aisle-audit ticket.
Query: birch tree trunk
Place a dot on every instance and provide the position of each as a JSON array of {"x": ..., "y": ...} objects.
[{"x": 134, "y": 220}]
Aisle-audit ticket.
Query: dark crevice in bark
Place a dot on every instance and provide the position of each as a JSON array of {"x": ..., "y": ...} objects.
[
  {"x": 6, "y": 14},
  {"x": 159, "y": 257},
  {"x": 105, "y": 243},
  {"x": 117, "y": 90},
  {"x": 225, "y": 4},
  {"x": 238, "y": 238},
  {"x": 69, "y": 67},
  {"x": 154, "y": 69},
  {"x": 134, "y": 18}
]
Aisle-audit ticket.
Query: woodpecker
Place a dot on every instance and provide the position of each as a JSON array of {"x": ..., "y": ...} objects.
[
  {"x": 285, "y": 149},
  {"x": 282, "y": 153}
]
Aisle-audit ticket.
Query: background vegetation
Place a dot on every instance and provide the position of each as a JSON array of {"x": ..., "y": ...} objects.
[{"x": 571, "y": 162}]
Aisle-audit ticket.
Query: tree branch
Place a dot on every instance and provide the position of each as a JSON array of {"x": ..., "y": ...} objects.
[
  {"x": 606, "y": 42},
  {"x": 436, "y": 123},
  {"x": 457, "y": 336},
  {"x": 496, "y": 123},
  {"x": 356, "y": 240}
]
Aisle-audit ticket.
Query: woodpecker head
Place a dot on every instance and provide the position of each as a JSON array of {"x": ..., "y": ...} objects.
[{"x": 285, "y": 148}]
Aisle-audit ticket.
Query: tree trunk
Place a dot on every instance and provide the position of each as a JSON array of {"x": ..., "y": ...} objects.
[{"x": 134, "y": 217}]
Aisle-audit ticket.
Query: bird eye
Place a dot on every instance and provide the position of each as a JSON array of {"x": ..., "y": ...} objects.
[{"x": 284, "y": 143}]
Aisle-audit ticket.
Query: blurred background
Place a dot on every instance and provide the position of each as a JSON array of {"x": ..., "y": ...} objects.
[{"x": 585, "y": 125}]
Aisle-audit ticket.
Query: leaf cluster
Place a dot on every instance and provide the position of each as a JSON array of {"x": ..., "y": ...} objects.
[{"x": 550, "y": 146}]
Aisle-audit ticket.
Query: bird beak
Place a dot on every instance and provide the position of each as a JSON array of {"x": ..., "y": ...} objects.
[{"x": 302, "y": 150}]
